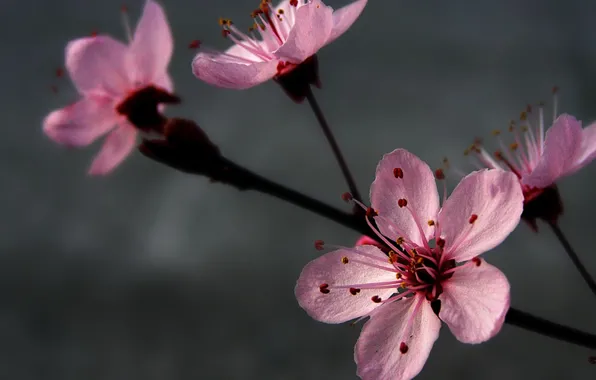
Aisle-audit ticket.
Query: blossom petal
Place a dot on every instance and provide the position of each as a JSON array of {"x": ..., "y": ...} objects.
[
  {"x": 339, "y": 305},
  {"x": 475, "y": 301},
  {"x": 98, "y": 64},
  {"x": 379, "y": 350},
  {"x": 344, "y": 17},
  {"x": 587, "y": 151},
  {"x": 236, "y": 68},
  {"x": 81, "y": 123},
  {"x": 311, "y": 29},
  {"x": 152, "y": 45},
  {"x": 417, "y": 187},
  {"x": 561, "y": 146},
  {"x": 115, "y": 149},
  {"x": 482, "y": 211}
]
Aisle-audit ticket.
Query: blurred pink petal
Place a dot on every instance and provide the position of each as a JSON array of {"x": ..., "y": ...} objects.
[
  {"x": 561, "y": 147},
  {"x": 339, "y": 305},
  {"x": 480, "y": 213},
  {"x": 81, "y": 123},
  {"x": 152, "y": 45},
  {"x": 475, "y": 301},
  {"x": 416, "y": 185},
  {"x": 396, "y": 341},
  {"x": 344, "y": 17},
  {"x": 117, "y": 146},
  {"x": 98, "y": 64}
]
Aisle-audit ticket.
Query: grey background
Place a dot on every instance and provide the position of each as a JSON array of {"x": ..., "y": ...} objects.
[{"x": 152, "y": 274}]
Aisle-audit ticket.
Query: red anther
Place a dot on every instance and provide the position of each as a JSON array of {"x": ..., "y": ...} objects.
[
  {"x": 477, "y": 261},
  {"x": 194, "y": 44},
  {"x": 294, "y": 3},
  {"x": 440, "y": 243},
  {"x": 94, "y": 33},
  {"x": 376, "y": 299},
  {"x": 371, "y": 212},
  {"x": 555, "y": 89},
  {"x": 354, "y": 291},
  {"x": 225, "y": 33},
  {"x": 402, "y": 202},
  {"x": 439, "y": 174},
  {"x": 398, "y": 173},
  {"x": 345, "y": 260},
  {"x": 324, "y": 288},
  {"x": 59, "y": 72},
  {"x": 346, "y": 197},
  {"x": 403, "y": 347},
  {"x": 319, "y": 244},
  {"x": 473, "y": 218},
  {"x": 124, "y": 8}
]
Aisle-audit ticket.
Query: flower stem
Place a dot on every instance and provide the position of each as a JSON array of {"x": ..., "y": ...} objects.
[
  {"x": 247, "y": 179},
  {"x": 573, "y": 256},
  {"x": 314, "y": 105},
  {"x": 547, "y": 328}
]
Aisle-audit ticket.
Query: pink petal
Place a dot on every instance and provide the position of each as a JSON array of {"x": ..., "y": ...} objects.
[
  {"x": 236, "y": 68},
  {"x": 80, "y": 123},
  {"x": 561, "y": 146},
  {"x": 474, "y": 302},
  {"x": 339, "y": 305},
  {"x": 410, "y": 321},
  {"x": 312, "y": 28},
  {"x": 344, "y": 17},
  {"x": 98, "y": 64},
  {"x": 417, "y": 186},
  {"x": 587, "y": 151},
  {"x": 115, "y": 149},
  {"x": 482, "y": 211},
  {"x": 151, "y": 47}
]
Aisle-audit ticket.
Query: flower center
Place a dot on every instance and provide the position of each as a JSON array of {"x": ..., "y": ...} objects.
[{"x": 141, "y": 107}]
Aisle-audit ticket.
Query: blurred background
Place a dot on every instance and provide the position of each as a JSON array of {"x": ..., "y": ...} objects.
[{"x": 153, "y": 274}]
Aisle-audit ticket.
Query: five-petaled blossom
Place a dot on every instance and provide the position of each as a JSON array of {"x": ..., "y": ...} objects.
[
  {"x": 281, "y": 39},
  {"x": 114, "y": 81},
  {"x": 539, "y": 161},
  {"x": 431, "y": 271}
]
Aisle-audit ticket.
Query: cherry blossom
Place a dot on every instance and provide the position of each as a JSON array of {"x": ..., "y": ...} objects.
[{"x": 430, "y": 273}]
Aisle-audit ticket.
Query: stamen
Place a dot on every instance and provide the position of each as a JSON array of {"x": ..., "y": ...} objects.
[
  {"x": 376, "y": 299},
  {"x": 125, "y": 21},
  {"x": 398, "y": 173},
  {"x": 345, "y": 260},
  {"x": 354, "y": 291},
  {"x": 319, "y": 245},
  {"x": 324, "y": 288},
  {"x": 555, "y": 103},
  {"x": 430, "y": 223},
  {"x": 346, "y": 197},
  {"x": 473, "y": 218},
  {"x": 403, "y": 347},
  {"x": 477, "y": 261},
  {"x": 402, "y": 202}
]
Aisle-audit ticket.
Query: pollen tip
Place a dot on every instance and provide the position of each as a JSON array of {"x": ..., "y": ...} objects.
[
  {"x": 439, "y": 174},
  {"x": 123, "y": 8},
  {"x": 371, "y": 212},
  {"x": 555, "y": 89},
  {"x": 402, "y": 202},
  {"x": 477, "y": 261},
  {"x": 398, "y": 173},
  {"x": 376, "y": 299},
  {"x": 430, "y": 223},
  {"x": 354, "y": 291},
  {"x": 496, "y": 132},
  {"x": 399, "y": 240},
  {"x": 347, "y": 197},
  {"x": 319, "y": 245},
  {"x": 523, "y": 116},
  {"x": 440, "y": 242},
  {"x": 194, "y": 44},
  {"x": 324, "y": 288},
  {"x": 345, "y": 260},
  {"x": 473, "y": 218},
  {"x": 403, "y": 347}
]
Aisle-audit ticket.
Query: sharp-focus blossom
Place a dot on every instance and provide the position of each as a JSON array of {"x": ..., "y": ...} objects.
[
  {"x": 280, "y": 39},
  {"x": 539, "y": 159},
  {"x": 114, "y": 81},
  {"x": 432, "y": 271}
]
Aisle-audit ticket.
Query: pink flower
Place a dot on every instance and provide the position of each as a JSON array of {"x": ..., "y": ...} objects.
[
  {"x": 114, "y": 81},
  {"x": 289, "y": 34},
  {"x": 407, "y": 292},
  {"x": 539, "y": 161}
]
